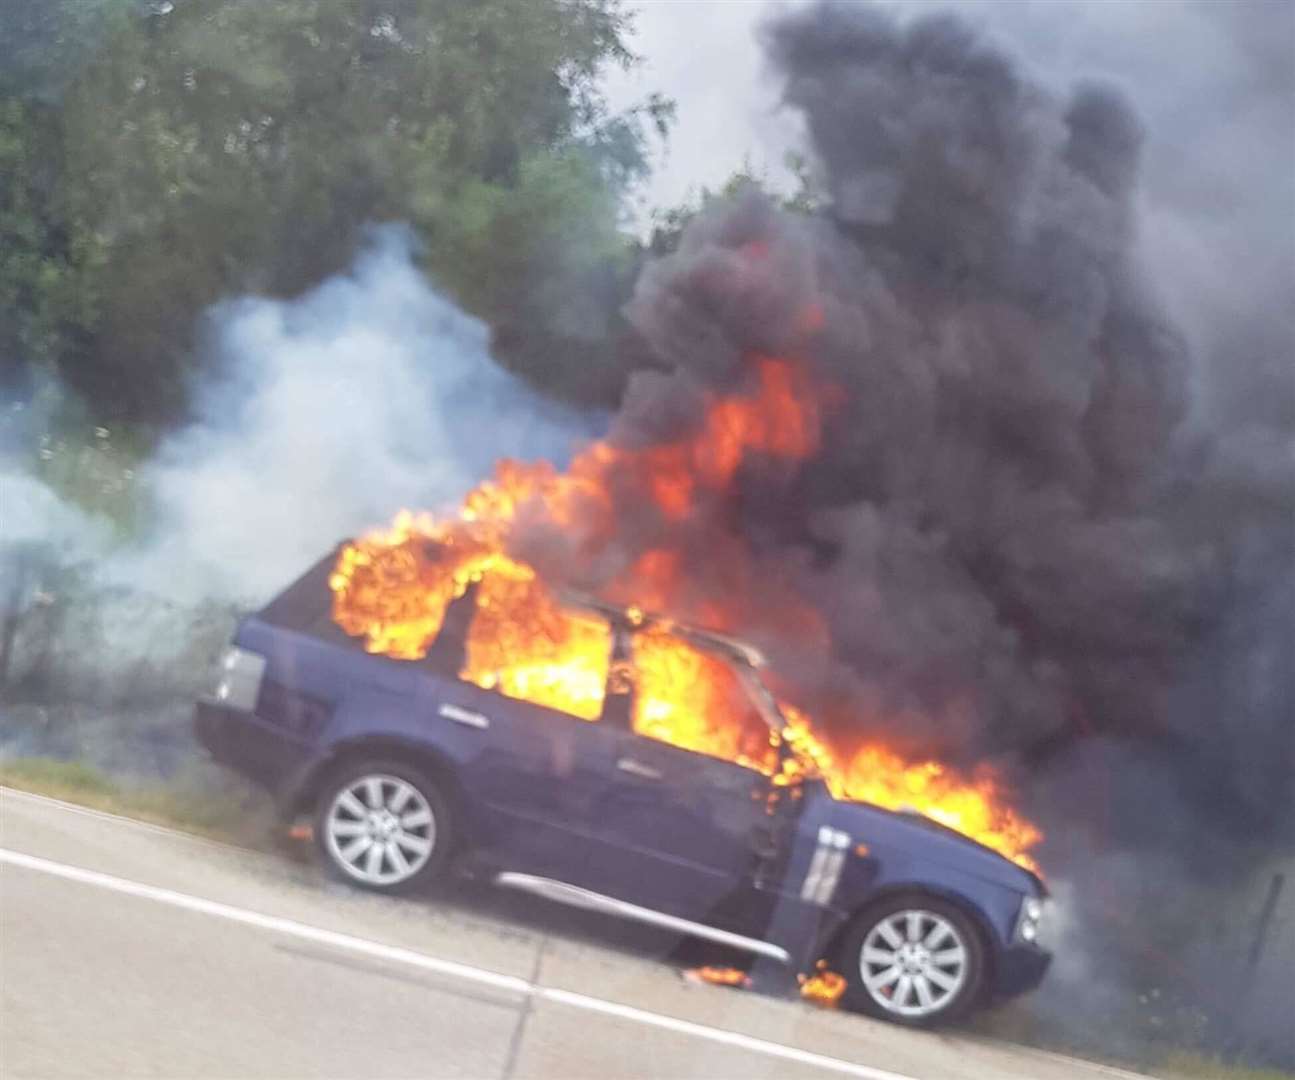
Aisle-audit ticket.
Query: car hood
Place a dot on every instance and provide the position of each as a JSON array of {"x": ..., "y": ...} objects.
[{"x": 921, "y": 837}]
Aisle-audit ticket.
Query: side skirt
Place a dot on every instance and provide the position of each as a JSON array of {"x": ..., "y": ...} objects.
[{"x": 574, "y": 896}]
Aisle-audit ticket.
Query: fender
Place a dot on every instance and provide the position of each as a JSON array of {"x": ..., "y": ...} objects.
[{"x": 374, "y": 723}]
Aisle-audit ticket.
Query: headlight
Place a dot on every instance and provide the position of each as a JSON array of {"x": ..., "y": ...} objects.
[{"x": 1029, "y": 919}]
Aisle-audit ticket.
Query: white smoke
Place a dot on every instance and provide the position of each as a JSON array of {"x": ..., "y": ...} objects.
[
  {"x": 327, "y": 414},
  {"x": 321, "y": 417},
  {"x": 30, "y": 513}
]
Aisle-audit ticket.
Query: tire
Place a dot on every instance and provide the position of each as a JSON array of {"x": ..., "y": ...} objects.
[
  {"x": 913, "y": 960},
  {"x": 401, "y": 814}
]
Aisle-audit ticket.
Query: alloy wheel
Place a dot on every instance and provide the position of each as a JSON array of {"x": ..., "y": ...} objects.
[
  {"x": 913, "y": 963},
  {"x": 380, "y": 830}
]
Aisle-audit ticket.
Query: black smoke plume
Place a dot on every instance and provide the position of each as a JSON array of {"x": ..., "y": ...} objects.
[
  {"x": 1032, "y": 529},
  {"x": 1016, "y": 519}
]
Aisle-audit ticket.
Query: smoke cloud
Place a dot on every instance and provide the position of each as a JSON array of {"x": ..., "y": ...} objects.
[
  {"x": 327, "y": 414},
  {"x": 1020, "y": 522},
  {"x": 320, "y": 417}
]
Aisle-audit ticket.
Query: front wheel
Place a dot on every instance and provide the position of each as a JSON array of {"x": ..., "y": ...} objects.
[
  {"x": 383, "y": 826},
  {"x": 914, "y": 960}
]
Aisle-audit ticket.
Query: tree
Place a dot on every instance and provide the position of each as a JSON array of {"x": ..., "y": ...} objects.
[
  {"x": 43, "y": 43},
  {"x": 234, "y": 145},
  {"x": 43, "y": 312}
]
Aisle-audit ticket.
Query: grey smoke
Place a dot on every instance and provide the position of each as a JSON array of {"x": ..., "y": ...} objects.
[
  {"x": 33, "y": 514},
  {"x": 320, "y": 417},
  {"x": 323, "y": 417}
]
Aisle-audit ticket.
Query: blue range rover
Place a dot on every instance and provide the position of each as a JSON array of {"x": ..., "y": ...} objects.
[{"x": 409, "y": 770}]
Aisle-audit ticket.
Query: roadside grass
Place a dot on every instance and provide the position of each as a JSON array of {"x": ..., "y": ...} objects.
[
  {"x": 1016, "y": 1024},
  {"x": 1187, "y": 1066},
  {"x": 192, "y": 802}
]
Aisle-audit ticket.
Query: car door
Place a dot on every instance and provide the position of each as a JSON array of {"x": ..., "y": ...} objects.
[
  {"x": 530, "y": 774},
  {"x": 679, "y": 830}
]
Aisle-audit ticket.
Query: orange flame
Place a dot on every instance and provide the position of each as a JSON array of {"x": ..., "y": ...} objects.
[
  {"x": 392, "y": 589},
  {"x": 824, "y": 987},
  {"x": 719, "y": 976}
]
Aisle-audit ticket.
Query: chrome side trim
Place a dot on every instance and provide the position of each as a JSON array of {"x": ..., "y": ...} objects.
[
  {"x": 574, "y": 896},
  {"x": 464, "y": 716},
  {"x": 637, "y": 768}
]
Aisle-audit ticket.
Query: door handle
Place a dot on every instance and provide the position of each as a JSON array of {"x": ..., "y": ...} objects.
[
  {"x": 637, "y": 768},
  {"x": 463, "y": 716}
]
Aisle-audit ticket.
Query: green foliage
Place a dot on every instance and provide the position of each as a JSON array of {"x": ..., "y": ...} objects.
[
  {"x": 44, "y": 42},
  {"x": 244, "y": 145},
  {"x": 95, "y": 469},
  {"x": 1185, "y": 1066},
  {"x": 74, "y": 780},
  {"x": 55, "y": 440},
  {"x": 544, "y": 259},
  {"x": 39, "y": 305}
]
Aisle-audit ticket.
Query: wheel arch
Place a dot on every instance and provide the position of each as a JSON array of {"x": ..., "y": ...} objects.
[
  {"x": 437, "y": 765},
  {"x": 832, "y": 941}
]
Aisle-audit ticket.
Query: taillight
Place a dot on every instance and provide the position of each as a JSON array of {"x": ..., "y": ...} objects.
[{"x": 238, "y": 679}]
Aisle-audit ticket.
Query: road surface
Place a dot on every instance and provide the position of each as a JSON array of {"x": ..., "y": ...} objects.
[{"x": 127, "y": 950}]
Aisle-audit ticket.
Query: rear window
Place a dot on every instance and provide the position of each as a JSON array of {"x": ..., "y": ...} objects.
[{"x": 307, "y": 605}]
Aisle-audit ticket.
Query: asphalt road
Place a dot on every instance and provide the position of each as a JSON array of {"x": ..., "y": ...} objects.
[{"x": 132, "y": 951}]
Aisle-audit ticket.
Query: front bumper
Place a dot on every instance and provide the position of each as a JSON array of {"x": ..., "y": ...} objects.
[{"x": 1019, "y": 969}]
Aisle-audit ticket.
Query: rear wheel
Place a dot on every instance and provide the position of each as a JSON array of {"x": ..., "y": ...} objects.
[
  {"x": 914, "y": 960},
  {"x": 383, "y": 826}
]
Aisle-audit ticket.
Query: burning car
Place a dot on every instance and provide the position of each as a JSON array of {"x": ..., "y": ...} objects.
[{"x": 462, "y": 755}]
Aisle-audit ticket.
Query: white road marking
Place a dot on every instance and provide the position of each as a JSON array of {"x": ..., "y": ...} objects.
[
  {"x": 719, "y": 1035},
  {"x": 272, "y": 923},
  {"x": 395, "y": 954}
]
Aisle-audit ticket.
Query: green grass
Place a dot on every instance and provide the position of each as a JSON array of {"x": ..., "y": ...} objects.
[
  {"x": 232, "y": 816},
  {"x": 1185, "y": 1066},
  {"x": 1144, "y": 1053}
]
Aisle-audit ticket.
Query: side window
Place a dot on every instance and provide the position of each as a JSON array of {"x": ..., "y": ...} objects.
[
  {"x": 693, "y": 699},
  {"x": 523, "y": 644}
]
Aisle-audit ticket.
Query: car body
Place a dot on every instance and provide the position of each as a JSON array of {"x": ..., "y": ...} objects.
[{"x": 597, "y": 815}]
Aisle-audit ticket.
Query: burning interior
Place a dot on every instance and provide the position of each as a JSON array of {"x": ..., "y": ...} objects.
[{"x": 624, "y": 522}]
